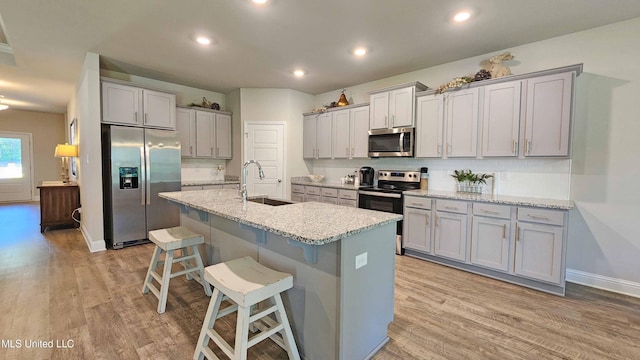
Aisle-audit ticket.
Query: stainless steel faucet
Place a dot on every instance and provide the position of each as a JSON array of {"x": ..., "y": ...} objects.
[{"x": 243, "y": 183}]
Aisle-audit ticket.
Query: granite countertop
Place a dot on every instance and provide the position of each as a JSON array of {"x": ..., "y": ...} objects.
[
  {"x": 495, "y": 199},
  {"x": 208, "y": 182},
  {"x": 306, "y": 182},
  {"x": 308, "y": 222}
]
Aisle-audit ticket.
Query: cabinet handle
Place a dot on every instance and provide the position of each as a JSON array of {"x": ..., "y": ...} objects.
[
  {"x": 393, "y": 120},
  {"x": 514, "y": 147},
  {"x": 449, "y": 148},
  {"x": 416, "y": 204},
  {"x": 451, "y": 207},
  {"x": 347, "y": 151},
  {"x": 191, "y": 150},
  {"x": 146, "y": 117},
  {"x": 426, "y": 220},
  {"x": 517, "y": 233},
  {"x": 504, "y": 231},
  {"x": 436, "y": 220},
  {"x": 217, "y": 151},
  {"x": 212, "y": 153},
  {"x": 136, "y": 116},
  {"x": 352, "y": 152},
  {"x": 490, "y": 212},
  {"x": 386, "y": 122},
  {"x": 528, "y": 151},
  {"x": 538, "y": 217},
  {"x": 439, "y": 149}
]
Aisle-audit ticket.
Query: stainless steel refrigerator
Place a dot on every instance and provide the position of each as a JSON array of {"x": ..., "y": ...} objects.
[{"x": 137, "y": 164}]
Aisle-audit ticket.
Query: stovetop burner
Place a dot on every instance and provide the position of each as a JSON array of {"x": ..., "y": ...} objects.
[{"x": 395, "y": 181}]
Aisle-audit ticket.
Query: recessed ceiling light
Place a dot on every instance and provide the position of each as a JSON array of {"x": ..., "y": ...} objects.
[
  {"x": 361, "y": 51},
  {"x": 203, "y": 40},
  {"x": 462, "y": 16},
  {"x": 259, "y": 2},
  {"x": 298, "y": 73},
  {"x": 4, "y": 107}
]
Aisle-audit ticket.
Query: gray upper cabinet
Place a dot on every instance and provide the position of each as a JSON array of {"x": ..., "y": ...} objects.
[
  {"x": 317, "y": 136},
  {"x": 548, "y": 115},
  {"x": 350, "y": 133},
  {"x": 204, "y": 134},
  {"x": 501, "y": 119},
  {"x": 393, "y": 107},
  {"x": 462, "y": 123},
  {"x": 130, "y": 105},
  {"x": 429, "y": 126}
]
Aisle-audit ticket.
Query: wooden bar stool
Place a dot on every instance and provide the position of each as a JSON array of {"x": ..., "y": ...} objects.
[
  {"x": 246, "y": 283},
  {"x": 167, "y": 241}
]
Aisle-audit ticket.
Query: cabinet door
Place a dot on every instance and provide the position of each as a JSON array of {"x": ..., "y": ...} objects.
[
  {"x": 186, "y": 126},
  {"x": 401, "y": 107},
  {"x": 159, "y": 109},
  {"x": 341, "y": 133},
  {"x": 205, "y": 123},
  {"x": 489, "y": 243},
  {"x": 417, "y": 229},
  {"x": 359, "y": 132},
  {"x": 501, "y": 119},
  {"x": 451, "y": 235},
  {"x": 462, "y": 123},
  {"x": 223, "y": 136},
  {"x": 297, "y": 197},
  {"x": 379, "y": 111},
  {"x": 323, "y": 136},
  {"x": 548, "y": 115},
  {"x": 121, "y": 104},
  {"x": 309, "y": 136},
  {"x": 539, "y": 252},
  {"x": 429, "y": 126}
]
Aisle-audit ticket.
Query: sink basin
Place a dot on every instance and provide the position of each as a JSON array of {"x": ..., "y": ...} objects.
[{"x": 267, "y": 201}]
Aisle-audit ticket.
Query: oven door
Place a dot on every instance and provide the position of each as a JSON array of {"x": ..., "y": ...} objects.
[{"x": 387, "y": 202}]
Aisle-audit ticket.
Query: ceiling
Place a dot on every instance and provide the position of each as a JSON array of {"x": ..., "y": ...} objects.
[{"x": 259, "y": 46}]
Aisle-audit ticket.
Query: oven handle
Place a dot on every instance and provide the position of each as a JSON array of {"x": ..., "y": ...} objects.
[{"x": 381, "y": 194}]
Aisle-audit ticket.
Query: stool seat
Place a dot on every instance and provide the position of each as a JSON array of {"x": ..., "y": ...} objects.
[
  {"x": 175, "y": 238},
  {"x": 255, "y": 291},
  {"x": 247, "y": 282},
  {"x": 168, "y": 241}
]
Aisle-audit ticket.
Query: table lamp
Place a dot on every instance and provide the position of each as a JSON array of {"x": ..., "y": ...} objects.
[{"x": 65, "y": 151}]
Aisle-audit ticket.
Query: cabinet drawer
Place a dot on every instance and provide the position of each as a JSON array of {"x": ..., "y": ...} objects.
[
  {"x": 348, "y": 194},
  {"x": 347, "y": 202},
  {"x": 315, "y": 198},
  {"x": 417, "y": 202},
  {"x": 330, "y": 200},
  {"x": 552, "y": 217},
  {"x": 451, "y": 206},
  {"x": 312, "y": 190},
  {"x": 498, "y": 211},
  {"x": 328, "y": 192},
  {"x": 297, "y": 189}
]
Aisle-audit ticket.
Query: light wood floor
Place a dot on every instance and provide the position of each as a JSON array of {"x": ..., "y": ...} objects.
[{"x": 53, "y": 288}]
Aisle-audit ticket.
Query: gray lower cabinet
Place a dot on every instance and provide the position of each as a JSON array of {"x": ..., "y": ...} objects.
[{"x": 518, "y": 244}]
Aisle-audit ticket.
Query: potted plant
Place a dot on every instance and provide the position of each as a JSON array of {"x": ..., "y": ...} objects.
[
  {"x": 462, "y": 177},
  {"x": 478, "y": 181}
]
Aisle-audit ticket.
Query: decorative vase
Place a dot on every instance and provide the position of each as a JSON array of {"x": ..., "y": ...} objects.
[{"x": 343, "y": 100}]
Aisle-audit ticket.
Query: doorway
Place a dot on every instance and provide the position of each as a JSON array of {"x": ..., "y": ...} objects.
[
  {"x": 15, "y": 167},
  {"x": 264, "y": 142}
]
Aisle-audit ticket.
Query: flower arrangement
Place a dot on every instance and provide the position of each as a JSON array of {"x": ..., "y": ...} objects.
[
  {"x": 470, "y": 182},
  {"x": 455, "y": 83}
]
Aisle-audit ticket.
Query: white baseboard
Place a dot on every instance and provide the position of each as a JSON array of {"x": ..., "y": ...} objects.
[
  {"x": 603, "y": 282},
  {"x": 93, "y": 246}
]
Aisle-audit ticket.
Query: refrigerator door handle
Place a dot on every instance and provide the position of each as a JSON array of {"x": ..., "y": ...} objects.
[
  {"x": 148, "y": 174},
  {"x": 143, "y": 175}
]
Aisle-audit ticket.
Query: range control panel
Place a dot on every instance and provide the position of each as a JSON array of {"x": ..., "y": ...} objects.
[{"x": 399, "y": 175}]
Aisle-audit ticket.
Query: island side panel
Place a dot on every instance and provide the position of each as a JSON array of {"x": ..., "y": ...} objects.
[
  {"x": 312, "y": 303},
  {"x": 366, "y": 294},
  {"x": 231, "y": 240},
  {"x": 190, "y": 218}
]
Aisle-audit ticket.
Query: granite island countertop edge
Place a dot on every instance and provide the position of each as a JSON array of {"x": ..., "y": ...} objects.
[{"x": 495, "y": 199}]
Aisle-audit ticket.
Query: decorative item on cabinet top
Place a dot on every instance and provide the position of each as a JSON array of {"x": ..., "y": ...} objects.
[
  {"x": 206, "y": 104},
  {"x": 343, "y": 99},
  {"x": 491, "y": 69}
]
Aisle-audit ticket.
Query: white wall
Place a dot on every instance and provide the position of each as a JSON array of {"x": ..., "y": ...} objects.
[
  {"x": 233, "y": 104},
  {"x": 85, "y": 106},
  {"x": 604, "y": 246}
]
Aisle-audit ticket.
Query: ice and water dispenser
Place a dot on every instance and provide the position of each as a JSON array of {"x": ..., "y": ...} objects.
[{"x": 128, "y": 177}]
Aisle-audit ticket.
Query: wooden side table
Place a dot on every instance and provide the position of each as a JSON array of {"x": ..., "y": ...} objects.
[{"x": 57, "y": 202}]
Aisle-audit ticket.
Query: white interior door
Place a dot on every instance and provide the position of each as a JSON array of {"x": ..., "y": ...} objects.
[
  {"x": 15, "y": 166},
  {"x": 265, "y": 144}
]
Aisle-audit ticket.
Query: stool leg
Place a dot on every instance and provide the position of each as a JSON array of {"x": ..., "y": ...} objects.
[
  {"x": 186, "y": 263},
  {"x": 242, "y": 334},
  {"x": 200, "y": 266},
  {"x": 289, "y": 341},
  {"x": 166, "y": 277},
  {"x": 152, "y": 266},
  {"x": 208, "y": 323}
]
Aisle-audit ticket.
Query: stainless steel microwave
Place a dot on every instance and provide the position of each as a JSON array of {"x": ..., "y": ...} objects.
[{"x": 396, "y": 142}]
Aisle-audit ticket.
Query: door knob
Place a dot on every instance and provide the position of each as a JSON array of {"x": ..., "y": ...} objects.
[{"x": 279, "y": 180}]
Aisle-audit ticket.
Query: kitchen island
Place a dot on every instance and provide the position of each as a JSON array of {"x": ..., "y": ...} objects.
[{"x": 342, "y": 261}]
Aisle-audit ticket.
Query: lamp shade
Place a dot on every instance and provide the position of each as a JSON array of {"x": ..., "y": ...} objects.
[{"x": 66, "y": 150}]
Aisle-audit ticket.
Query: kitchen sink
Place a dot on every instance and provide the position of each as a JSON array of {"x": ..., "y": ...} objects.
[{"x": 268, "y": 201}]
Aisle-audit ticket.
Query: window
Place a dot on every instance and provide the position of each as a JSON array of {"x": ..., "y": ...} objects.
[{"x": 10, "y": 158}]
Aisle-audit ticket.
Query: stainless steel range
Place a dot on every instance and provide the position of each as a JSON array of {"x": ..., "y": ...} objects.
[{"x": 387, "y": 195}]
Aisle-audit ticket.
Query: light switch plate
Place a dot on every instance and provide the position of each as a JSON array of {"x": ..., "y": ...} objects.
[{"x": 361, "y": 260}]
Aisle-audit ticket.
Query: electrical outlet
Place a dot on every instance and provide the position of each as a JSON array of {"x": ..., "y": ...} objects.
[{"x": 361, "y": 260}]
